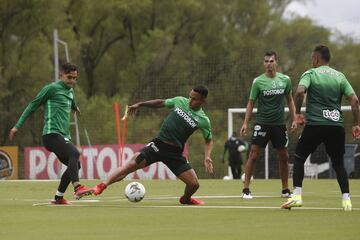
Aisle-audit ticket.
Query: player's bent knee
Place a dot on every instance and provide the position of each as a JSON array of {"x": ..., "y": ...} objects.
[{"x": 194, "y": 184}]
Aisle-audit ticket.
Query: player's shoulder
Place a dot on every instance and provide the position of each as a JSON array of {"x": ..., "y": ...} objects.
[
  {"x": 338, "y": 73},
  {"x": 177, "y": 100},
  {"x": 201, "y": 113},
  {"x": 259, "y": 78},
  {"x": 50, "y": 86},
  {"x": 307, "y": 72},
  {"x": 282, "y": 76}
]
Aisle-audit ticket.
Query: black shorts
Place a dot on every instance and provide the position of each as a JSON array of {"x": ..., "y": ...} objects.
[
  {"x": 61, "y": 146},
  {"x": 333, "y": 138},
  {"x": 171, "y": 156},
  {"x": 277, "y": 134}
]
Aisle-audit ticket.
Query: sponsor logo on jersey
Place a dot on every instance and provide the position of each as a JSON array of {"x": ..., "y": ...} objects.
[
  {"x": 272, "y": 92},
  {"x": 333, "y": 115},
  {"x": 257, "y": 127},
  {"x": 329, "y": 72},
  {"x": 185, "y": 116}
]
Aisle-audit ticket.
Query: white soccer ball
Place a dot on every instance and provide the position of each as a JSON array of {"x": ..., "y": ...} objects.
[
  {"x": 243, "y": 177},
  {"x": 241, "y": 148},
  {"x": 135, "y": 192}
]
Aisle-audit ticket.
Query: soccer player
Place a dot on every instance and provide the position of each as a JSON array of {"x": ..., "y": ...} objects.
[
  {"x": 325, "y": 88},
  {"x": 269, "y": 89},
  {"x": 185, "y": 117},
  {"x": 58, "y": 101},
  {"x": 235, "y": 146}
]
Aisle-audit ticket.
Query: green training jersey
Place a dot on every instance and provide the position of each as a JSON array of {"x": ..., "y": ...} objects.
[
  {"x": 325, "y": 87},
  {"x": 58, "y": 100},
  {"x": 183, "y": 121},
  {"x": 270, "y": 94}
]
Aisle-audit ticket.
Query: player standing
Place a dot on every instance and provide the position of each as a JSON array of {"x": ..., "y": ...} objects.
[
  {"x": 235, "y": 146},
  {"x": 58, "y": 100},
  {"x": 269, "y": 89},
  {"x": 185, "y": 117},
  {"x": 324, "y": 87}
]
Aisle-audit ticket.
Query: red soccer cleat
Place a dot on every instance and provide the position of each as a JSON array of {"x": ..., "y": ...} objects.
[
  {"x": 98, "y": 189},
  {"x": 60, "y": 201},
  {"x": 191, "y": 201},
  {"x": 82, "y": 191}
]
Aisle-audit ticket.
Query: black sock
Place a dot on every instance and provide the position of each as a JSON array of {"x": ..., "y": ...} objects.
[
  {"x": 246, "y": 191},
  {"x": 58, "y": 197}
]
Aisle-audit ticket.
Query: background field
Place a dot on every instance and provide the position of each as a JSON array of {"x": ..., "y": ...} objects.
[{"x": 25, "y": 213}]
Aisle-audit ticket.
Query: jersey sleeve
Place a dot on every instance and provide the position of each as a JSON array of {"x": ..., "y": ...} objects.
[
  {"x": 171, "y": 102},
  {"x": 346, "y": 87},
  {"x": 305, "y": 79},
  {"x": 254, "y": 92},
  {"x": 73, "y": 102},
  {"x": 39, "y": 100},
  {"x": 206, "y": 129},
  {"x": 288, "y": 87}
]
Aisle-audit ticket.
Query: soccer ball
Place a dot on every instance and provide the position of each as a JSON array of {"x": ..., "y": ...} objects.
[
  {"x": 134, "y": 192},
  {"x": 241, "y": 148},
  {"x": 243, "y": 177}
]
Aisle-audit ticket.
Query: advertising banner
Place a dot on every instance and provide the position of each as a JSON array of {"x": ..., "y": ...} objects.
[
  {"x": 8, "y": 162},
  {"x": 97, "y": 162}
]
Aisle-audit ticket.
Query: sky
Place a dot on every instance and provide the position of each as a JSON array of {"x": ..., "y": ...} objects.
[{"x": 341, "y": 15}]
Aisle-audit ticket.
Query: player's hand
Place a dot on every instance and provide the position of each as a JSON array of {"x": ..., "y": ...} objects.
[
  {"x": 133, "y": 108},
  {"x": 208, "y": 163},
  {"x": 12, "y": 133},
  {"x": 300, "y": 119},
  {"x": 77, "y": 111},
  {"x": 293, "y": 126},
  {"x": 356, "y": 132},
  {"x": 243, "y": 130}
]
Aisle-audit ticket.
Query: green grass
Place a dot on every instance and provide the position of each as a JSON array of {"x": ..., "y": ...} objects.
[{"x": 159, "y": 216}]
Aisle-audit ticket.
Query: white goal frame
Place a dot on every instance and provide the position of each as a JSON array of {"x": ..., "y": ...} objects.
[{"x": 231, "y": 112}]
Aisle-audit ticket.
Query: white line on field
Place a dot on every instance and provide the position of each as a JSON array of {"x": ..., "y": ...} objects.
[
  {"x": 199, "y": 207},
  {"x": 245, "y": 207},
  {"x": 78, "y": 201}
]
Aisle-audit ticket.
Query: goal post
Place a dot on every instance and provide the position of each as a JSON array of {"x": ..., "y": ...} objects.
[{"x": 232, "y": 111}]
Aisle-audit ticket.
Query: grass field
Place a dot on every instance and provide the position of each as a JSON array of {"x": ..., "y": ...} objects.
[{"x": 26, "y": 214}]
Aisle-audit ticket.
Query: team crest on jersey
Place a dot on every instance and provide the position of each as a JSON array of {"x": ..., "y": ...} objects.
[{"x": 333, "y": 115}]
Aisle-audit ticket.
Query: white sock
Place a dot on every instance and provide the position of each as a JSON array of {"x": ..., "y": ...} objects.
[
  {"x": 346, "y": 196},
  {"x": 59, "y": 194},
  {"x": 297, "y": 191}
]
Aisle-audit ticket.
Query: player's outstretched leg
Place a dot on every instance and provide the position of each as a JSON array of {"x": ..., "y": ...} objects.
[{"x": 137, "y": 162}]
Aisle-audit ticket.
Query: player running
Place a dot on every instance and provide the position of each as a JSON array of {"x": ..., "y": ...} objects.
[
  {"x": 269, "y": 89},
  {"x": 324, "y": 87},
  {"x": 58, "y": 100},
  {"x": 185, "y": 117}
]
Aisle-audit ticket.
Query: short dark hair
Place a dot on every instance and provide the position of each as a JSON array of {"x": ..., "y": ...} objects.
[
  {"x": 271, "y": 53},
  {"x": 324, "y": 52},
  {"x": 68, "y": 67},
  {"x": 203, "y": 91}
]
